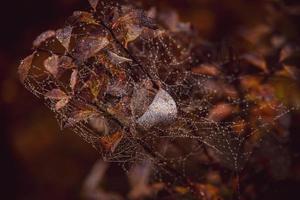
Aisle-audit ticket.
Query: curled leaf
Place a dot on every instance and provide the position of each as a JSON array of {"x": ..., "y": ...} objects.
[
  {"x": 163, "y": 109},
  {"x": 43, "y": 37}
]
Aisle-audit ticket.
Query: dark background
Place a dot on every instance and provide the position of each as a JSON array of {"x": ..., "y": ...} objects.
[{"x": 39, "y": 161}]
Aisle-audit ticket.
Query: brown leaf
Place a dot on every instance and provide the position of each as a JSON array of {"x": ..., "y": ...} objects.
[
  {"x": 87, "y": 47},
  {"x": 64, "y": 36},
  {"x": 94, "y": 85},
  {"x": 110, "y": 143},
  {"x": 206, "y": 69},
  {"x": 73, "y": 79},
  {"x": 62, "y": 103},
  {"x": 257, "y": 61},
  {"x": 133, "y": 32},
  {"x": 85, "y": 17},
  {"x": 56, "y": 94},
  {"x": 220, "y": 112},
  {"x": 66, "y": 62},
  {"x": 52, "y": 64},
  {"x": 100, "y": 124},
  {"x": 43, "y": 37},
  {"x": 25, "y": 67},
  {"x": 94, "y": 3},
  {"x": 116, "y": 59},
  {"x": 82, "y": 115},
  {"x": 139, "y": 180}
]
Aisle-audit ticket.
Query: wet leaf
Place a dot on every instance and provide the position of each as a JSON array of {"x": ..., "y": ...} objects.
[{"x": 25, "y": 67}]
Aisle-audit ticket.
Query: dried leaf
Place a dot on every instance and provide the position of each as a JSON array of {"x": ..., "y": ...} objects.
[
  {"x": 139, "y": 181},
  {"x": 110, "y": 143},
  {"x": 94, "y": 85},
  {"x": 94, "y": 3},
  {"x": 81, "y": 115},
  {"x": 89, "y": 46},
  {"x": 66, "y": 62},
  {"x": 43, "y": 37},
  {"x": 52, "y": 64},
  {"x": 257, "y": 61},
  {"x": 85, "y": 17},
  {"x": 56, "y": 94},
  {"x": 25, "y": 67},
  {"x": 73, "y": 79},
  {"x": 116, "y": 59},
  {"x": 220, "y": 112},
  {"x": 62, "y": 103},
  {"x": 163, "y": 109},
  {"x": 64, "y": 36},
  {"x": 133, "y": 32},
  {"x": 206, "y": 69},
  {"x": 100, "y": 124}
]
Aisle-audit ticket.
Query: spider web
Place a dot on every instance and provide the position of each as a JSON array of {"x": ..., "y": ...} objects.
[{"x": 128, "y": 87}]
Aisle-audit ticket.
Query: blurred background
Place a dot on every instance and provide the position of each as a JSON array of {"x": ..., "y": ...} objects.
[{"x": 38, "y": 160}]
